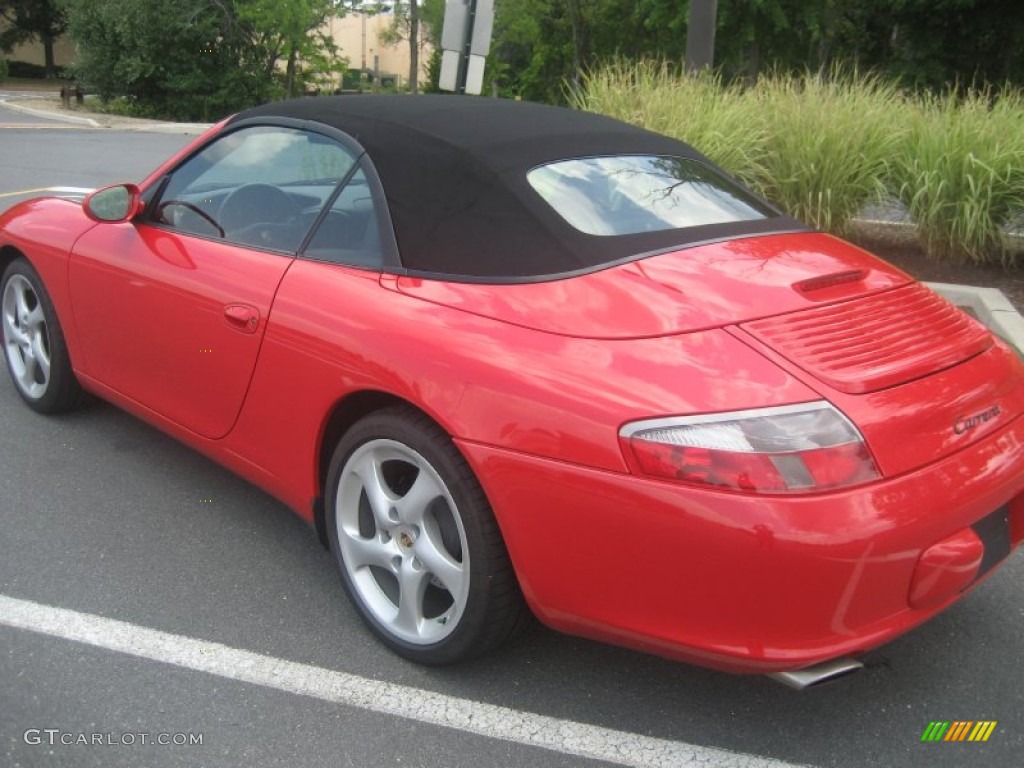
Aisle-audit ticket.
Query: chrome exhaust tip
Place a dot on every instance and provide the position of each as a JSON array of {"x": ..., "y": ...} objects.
[{"x": 818, "y": 674}]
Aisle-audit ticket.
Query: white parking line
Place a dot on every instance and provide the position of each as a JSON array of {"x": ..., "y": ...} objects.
[{"x": 564, "y": 736}]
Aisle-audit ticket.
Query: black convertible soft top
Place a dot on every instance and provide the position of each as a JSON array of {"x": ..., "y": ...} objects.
[{"x": 453, "y": 169}]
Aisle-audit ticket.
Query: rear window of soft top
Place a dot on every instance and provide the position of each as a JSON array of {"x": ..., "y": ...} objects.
[{"x": 632, "y": 194}]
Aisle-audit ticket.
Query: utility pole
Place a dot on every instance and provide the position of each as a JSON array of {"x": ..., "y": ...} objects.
[{"x": 700, "y": 35}]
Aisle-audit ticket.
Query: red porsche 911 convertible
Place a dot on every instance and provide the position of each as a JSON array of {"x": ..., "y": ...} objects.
[{"x": 510, "y": 358}]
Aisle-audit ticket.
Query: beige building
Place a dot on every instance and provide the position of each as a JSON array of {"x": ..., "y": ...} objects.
[{"x": 358, "y": 38}]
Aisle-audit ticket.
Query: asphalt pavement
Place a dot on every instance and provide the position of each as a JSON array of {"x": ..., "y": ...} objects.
[
  {"x": 105, "y": 516},
  {"x": 37, "y": 152}
]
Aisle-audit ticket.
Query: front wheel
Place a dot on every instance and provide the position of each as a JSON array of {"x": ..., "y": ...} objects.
[
  {"x": 418, "y": 547},
  {"x": 34, "y": 348}
]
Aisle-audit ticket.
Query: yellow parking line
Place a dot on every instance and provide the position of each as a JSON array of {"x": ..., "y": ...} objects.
[
  {"x": 44, "y": 127},
  {"x": 56, "y": 191},
  {"x": 24, "y": 192}
]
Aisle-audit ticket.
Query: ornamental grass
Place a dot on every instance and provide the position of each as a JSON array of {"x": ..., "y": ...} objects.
[{"x": 823, "y": 146}]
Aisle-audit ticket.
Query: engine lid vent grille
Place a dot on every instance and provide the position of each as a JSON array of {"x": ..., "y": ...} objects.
[{"x": 875, "y": 342}]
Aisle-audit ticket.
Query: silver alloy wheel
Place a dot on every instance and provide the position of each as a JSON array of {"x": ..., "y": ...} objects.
[
  {"x": 26, "y": 339},
  {"x": 402, "y": 541}
]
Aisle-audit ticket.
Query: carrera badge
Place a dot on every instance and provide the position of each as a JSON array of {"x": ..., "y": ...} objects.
[{"x": 966, "y": 423}]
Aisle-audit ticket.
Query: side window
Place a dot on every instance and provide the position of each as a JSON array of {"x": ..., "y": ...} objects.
[
  {"x": 348, "y": 233},
  {"x": 262, "y": 186}
]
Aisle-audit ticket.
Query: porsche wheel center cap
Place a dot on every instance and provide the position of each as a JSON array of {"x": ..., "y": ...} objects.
[{"x": 406, "y": 538}]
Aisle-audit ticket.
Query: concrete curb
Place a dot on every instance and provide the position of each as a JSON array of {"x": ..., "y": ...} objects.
[
  {"x": 49, "y": 115},
  {"x": 991, "y": 307},
  {"x": 129, "y": 124}
]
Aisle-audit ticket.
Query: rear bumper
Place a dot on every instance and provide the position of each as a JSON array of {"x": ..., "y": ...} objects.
[{"x": 742, "y": 583}]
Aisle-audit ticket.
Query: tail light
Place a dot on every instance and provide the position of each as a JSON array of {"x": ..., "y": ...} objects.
[{"x": 789, "y": 449}]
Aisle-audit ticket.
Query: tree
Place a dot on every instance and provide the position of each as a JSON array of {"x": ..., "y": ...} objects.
[
  {"x": 290, "y": 31},
  {"x": 431, "y": 25},
  {"x": 532, "y": 50},
  {"x": 28, "y": 20},
  {"x": 199, "y": 59},
  {"x": 407, "y": 24},
  {"x": 540, "y": 47},
  {"x": 941, "y": 42}
]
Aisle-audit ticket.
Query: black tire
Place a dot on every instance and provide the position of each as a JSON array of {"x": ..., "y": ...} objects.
[
  {"x": 475, "y": 604},
  {"x": 34, "y": 348}
]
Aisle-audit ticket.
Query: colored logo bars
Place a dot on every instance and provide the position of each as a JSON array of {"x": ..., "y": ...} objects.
[{"x": 959, "y": 730}]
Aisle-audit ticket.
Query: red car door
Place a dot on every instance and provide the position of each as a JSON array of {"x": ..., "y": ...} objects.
[
  {"x": 170, "y": 309},
  {"x": 173, "y": 321}
]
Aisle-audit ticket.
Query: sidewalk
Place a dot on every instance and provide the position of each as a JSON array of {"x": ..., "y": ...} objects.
[
  {"x": 47, "y": 105},
  {"x": 991, "y": 307}
]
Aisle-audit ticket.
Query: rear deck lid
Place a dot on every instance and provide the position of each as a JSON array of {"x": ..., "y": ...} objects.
[
  {"x": 691, "y": 289},
  {"x": 918, "y": 377},
  {"x": 875, "y": 342}
]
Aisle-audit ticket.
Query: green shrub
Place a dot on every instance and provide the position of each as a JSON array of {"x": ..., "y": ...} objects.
[
  {"x": 27, "y": 70},
  {"x": 4, "y": 69},
  {"x": 960, "y": 173}
]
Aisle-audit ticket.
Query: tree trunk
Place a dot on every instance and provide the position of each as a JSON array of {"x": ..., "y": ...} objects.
[
  {"x": 271, "y": 57},
  {"x": 414, "y": 46},
  {"x": 290, "y": 71},
  {"x": 51, "y": 67},
  {"x": 579, "y": 40},
  {"x": 701, "y": 27},
  {"x": 1009, "y": 57},
  {"x": 754, "y": 62}
]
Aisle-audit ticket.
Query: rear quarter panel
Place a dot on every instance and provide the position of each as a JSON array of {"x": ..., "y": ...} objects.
[{"x": 334, "y": 331}]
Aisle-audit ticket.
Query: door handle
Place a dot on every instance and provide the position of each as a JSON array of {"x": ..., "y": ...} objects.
[{"x": 242, "y": 317}]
